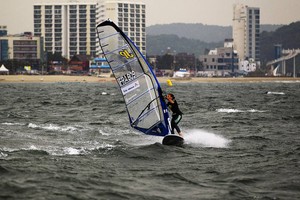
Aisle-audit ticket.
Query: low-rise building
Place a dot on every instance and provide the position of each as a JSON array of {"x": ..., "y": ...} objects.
[
  {"x": 23, "y": 47},
  {"x": 79, "y": 64},
  {"x": 221, "y": 61},
  {"x": 99, "y": 66},
  {"x": 247, "y": 65}
]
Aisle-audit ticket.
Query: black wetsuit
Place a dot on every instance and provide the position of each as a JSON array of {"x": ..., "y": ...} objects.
[{"x": 176, "y": 116}]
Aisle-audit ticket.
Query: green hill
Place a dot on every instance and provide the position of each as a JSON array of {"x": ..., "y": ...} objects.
[
  {"x": 206, "y": 33},
  {"x": 158, "y": 45},
  {"x": 181, "y": 39},
  {"x": 288, "y": 36}
]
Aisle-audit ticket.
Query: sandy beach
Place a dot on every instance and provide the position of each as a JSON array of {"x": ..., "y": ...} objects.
[{"x": 65, "y": 78}]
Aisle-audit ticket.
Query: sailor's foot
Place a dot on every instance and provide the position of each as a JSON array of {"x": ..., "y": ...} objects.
[{"x": 180, "y": 134}]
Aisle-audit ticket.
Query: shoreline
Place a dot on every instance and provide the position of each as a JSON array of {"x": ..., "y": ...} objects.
[{"x": 94, "y": 79}]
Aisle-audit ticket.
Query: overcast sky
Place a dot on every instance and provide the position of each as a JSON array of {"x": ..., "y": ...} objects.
[{"x": 18, "y": 14}]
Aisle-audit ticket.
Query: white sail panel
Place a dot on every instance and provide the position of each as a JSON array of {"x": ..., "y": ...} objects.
[{"x": 140, "y": 89}]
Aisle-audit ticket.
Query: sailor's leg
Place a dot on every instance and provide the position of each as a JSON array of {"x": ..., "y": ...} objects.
[
  {"x": 173, "y": 124},
  {"x": 177, "y": 120},
  {"x": 177, "y": 128}
]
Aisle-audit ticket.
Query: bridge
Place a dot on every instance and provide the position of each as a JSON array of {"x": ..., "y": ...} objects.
[{"x": 288, "y": 54}]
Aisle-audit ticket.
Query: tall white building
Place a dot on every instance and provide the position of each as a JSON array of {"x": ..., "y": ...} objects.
[
  {"x": 69, "y": 26},
  {"x": 246, "y": 32},
  {"x": 130, "y": 16}
]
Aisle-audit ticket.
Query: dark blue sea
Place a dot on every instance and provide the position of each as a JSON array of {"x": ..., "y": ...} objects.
[{"x": 73, "y": 141}]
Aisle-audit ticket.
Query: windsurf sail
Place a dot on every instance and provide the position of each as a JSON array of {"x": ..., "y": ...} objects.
[{"x": 140, "y": 88}]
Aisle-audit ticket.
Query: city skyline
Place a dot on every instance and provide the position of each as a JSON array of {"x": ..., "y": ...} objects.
[{"x": 206, "y": 12}]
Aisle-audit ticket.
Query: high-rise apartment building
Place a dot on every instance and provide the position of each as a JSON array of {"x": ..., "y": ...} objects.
[
  {"x": 246, "y": 32},
  {"x": 69, "y": 26},
  {"x": 130, "y": 16}
]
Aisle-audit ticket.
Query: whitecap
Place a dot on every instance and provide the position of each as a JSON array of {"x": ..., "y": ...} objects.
[
  {"x": 276, "y": 93},
  {"x": 292, "y": 81},
  {"x": 31, "y": 125},
  {"x": 72, "y": 151},
  {"x": 253, "y": 110},
  {"x": 79, "y": 150},
  {"x": 12, "y": 124},
  {"x": 68, "y": 129},
  {"x": 32, "y": 147},
  {"x": 229, "y": 110},
  {"x": 103, "y": 133},
  {"x": 53, "y": 127},
  {"x": 104, "y": 146},
  {"x": 3, "y": 155}
]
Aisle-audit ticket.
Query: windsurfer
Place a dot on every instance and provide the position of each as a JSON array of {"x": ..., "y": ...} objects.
[{"x": 176, "y": 113}]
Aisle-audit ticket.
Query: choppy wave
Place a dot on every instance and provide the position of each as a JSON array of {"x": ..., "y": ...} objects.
[
  {"x": 231, "y": 110},
  {"x": 84, "y": 148},
  {"x": 53, "y": 127},
  {"x": 60, "y": 151}
]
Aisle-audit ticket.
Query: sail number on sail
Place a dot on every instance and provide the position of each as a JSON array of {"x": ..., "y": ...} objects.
[{"x": 126, "y": 78}]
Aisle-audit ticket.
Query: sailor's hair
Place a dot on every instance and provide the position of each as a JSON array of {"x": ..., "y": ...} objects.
[{"x": 172, "y": 95}]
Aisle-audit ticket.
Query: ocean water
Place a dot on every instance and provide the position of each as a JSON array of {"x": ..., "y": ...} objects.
[{"x": 73, "y": 141}]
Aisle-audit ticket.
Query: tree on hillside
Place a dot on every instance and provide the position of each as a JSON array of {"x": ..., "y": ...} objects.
[{"x": 288, "y": 36}]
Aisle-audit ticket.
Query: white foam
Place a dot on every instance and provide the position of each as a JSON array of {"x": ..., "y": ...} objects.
[
  {"x": 202, "y": 138},
  {"x": 12, "y": 124},
  {"x": 3, "y": 155},
  {"x": 72, "y": 151},
  {"x": 103, "y": 146},
  {"x": 253, "y": 110},
  {"x": 30, "y": 125},
  {"x": 52, "y": 127},
  {"x": 230, "y": 110},
  {"x": 295, "y": 81},
  {"x": 102, "y": 132},
  {"x": 276, "y": 93},
  {"x": 32, "y": 147}
]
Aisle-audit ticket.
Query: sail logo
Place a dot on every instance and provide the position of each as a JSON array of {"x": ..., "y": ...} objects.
[
  {"x": 126, "y": 54},
  {"x": 130, "y": 87}
]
